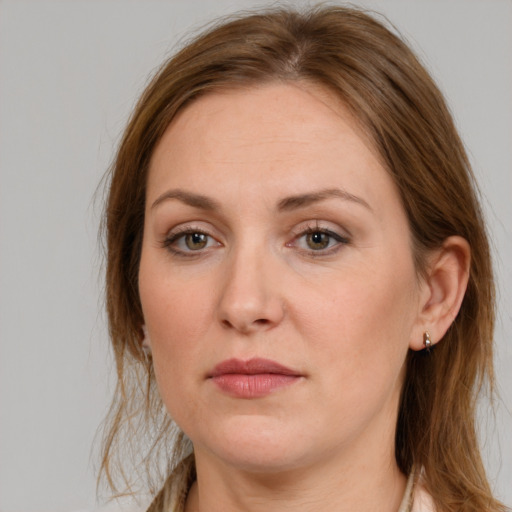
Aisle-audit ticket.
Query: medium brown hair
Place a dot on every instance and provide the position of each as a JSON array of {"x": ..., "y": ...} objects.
[{"x": 409, "y": 125}]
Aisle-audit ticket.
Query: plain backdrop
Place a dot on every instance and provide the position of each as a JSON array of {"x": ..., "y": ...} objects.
[{"x": 70, "y": 72}]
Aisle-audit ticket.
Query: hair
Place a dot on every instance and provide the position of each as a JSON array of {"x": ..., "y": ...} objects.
[{"x": 403, "y": 113}]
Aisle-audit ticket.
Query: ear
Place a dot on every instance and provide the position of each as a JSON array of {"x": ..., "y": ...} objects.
[{"x": 442, "y": 290}]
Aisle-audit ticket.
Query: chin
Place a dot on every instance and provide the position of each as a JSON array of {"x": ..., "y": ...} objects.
[
  {"x": 257, "y": 459},
  {"x": 258, "y": 444}
]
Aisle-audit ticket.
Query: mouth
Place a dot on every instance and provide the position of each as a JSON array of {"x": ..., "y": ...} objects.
[{"x": 254, "y": 378}]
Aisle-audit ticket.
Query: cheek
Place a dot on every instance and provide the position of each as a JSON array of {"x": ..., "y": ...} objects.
[
  {"x": 173, "y": 305},
  {"x": 361, "y": 326},
  {"x": 176, "y": 315}
]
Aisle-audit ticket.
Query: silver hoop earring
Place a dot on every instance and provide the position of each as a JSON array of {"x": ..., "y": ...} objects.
[{"x": 427, "y": 342}]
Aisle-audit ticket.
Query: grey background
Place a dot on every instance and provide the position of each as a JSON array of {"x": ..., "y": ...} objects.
[{"x": 70, "y": 72}]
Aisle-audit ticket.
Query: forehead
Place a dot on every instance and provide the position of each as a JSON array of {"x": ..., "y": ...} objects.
[
  {"x": 303, "y": 103},
  {"x": 289, "y": 135}
]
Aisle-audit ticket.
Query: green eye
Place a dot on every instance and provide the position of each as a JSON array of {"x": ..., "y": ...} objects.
[
  {"x": 318, "y": 240},
  {"x": 196, "y": 241}
]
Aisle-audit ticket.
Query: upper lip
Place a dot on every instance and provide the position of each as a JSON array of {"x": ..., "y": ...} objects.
[{"x": 253, "y": 366}]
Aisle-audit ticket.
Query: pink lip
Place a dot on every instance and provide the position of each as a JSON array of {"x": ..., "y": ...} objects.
[{"x": 254, "y": 378}]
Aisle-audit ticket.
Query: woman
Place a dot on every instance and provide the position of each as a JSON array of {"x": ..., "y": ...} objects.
[{"x": 299, "y": 276}]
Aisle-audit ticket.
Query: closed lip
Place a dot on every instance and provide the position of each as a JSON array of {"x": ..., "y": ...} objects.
[{"x": 254, "y": 366}]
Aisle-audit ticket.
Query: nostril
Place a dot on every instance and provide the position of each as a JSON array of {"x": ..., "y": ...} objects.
[
  {"x": 227, "y": 323},
  {"x": 260, "y": 322}
]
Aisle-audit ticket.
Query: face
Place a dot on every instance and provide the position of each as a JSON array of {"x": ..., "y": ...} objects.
[{"x": 276, "y": 279}]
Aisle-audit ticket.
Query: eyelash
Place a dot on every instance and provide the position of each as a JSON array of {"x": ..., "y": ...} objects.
[{"x": 179, "y": 233}]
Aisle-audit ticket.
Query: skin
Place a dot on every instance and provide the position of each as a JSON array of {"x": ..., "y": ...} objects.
[{"x": 343, "y": 315}]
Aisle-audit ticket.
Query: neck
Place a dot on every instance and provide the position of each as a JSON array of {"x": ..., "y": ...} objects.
[{"x": 363, "y": 486}]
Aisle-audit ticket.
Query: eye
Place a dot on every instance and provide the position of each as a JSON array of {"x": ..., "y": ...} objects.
[
  {"x": 187, "y": 241},
  {"x": 319, "y": 240}
]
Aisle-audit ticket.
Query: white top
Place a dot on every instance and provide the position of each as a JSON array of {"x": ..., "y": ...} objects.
[{"x": 421, "y": 500}]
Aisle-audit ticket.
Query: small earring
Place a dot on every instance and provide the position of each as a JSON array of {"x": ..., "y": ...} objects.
[
  {"x": 427, "y": 342},
  {"x": 146, "y": 348}
]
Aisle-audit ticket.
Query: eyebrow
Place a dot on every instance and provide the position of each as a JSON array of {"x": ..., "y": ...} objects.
[
  {"x": 287, "y": 204},
  {"x": 303, "y": 200},
  {"x": 189, "y": 198}
]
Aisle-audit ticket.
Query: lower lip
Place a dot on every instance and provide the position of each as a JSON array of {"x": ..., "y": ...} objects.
[{"x": 253, "y": 386}]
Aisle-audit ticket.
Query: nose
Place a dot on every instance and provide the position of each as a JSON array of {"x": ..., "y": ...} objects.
[{"x": 250, "y": 299}]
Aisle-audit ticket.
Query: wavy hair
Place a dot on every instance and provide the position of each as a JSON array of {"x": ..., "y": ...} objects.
[{"x": 374, "y": 73}]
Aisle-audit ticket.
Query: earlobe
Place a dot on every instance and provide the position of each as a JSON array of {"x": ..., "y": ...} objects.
[{"x": 444, "y": 287}]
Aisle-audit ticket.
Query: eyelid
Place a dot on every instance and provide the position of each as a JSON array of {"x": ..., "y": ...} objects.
[{"x": 314, "y": 225}]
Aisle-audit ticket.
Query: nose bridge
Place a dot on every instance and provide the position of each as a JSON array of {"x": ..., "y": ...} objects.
[{"x": 250, "y": 298}]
